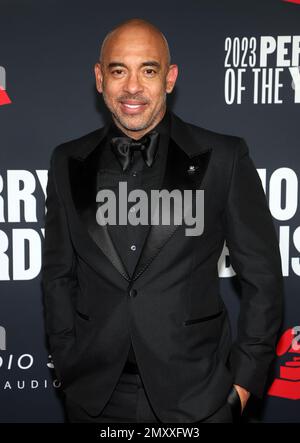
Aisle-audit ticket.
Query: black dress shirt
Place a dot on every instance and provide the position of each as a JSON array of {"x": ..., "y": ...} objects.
[{"x": 129, "y": 239}]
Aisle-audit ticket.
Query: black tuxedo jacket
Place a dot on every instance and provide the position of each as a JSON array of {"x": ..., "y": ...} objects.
[{"x": 170, "y": 307}]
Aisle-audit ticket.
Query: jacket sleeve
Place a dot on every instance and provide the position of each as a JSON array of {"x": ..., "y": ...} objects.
[
  {"x": 58, "y": 276},
  {"x": 255, "y": 257}
]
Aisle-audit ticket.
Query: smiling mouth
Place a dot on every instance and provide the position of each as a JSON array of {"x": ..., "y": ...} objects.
[{"x": 132, "y": 107}]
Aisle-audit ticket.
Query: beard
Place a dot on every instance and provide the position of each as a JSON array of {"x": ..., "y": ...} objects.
[{"x": 126, "y": 122}]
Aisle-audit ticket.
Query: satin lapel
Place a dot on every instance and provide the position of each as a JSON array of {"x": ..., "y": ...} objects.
[
  {"x": 84, "y": 197},
  {"x": 178, "y": 175}
]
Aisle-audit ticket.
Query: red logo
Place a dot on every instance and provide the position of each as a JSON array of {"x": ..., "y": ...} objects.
[
  {"x": 292, "y": 1},
  {"x": 4, "y": 98},
  {"x": 287, "y": 385}
]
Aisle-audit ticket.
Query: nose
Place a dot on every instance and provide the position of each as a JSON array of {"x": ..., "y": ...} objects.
[{"x": 133, "y": 84}]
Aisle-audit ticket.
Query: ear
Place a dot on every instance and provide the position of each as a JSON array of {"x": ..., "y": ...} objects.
[
  {"x": 171, "y": 78},
  {"x": 99, "y": 77}
]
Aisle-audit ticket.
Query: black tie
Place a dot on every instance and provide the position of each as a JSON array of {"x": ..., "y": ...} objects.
[{"x": 123, "y": 148}]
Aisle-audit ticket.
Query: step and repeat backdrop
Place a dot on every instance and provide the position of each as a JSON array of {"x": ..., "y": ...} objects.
[{"x": 238, "y": 74}]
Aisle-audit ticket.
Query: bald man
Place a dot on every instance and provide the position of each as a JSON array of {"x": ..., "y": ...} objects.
[{"x": 137, "y": 328}]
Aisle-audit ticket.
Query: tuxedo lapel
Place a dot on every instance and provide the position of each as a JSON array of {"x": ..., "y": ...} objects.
[
  {"x": 185, "y": 168},
  {"x": 83, "y": 172},
  {"x": 182, "y": 172}
]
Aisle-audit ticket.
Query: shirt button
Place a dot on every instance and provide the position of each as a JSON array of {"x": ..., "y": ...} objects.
[
  {"x": 134, "y": 173},
  {"x": 132, "y": 292},
  {"x": 133, "y": 247}
]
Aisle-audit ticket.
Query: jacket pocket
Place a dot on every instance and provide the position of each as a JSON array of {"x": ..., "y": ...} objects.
[
  {"x": 82, "y": 315},
  {"x": 202, "y": 319}
]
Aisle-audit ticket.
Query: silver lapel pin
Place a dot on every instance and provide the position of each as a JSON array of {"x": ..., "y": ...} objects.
[{"x": 191, "y": 169}]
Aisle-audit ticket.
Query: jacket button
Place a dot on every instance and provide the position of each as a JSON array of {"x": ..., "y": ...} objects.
[{"x": 132, "y": 292}]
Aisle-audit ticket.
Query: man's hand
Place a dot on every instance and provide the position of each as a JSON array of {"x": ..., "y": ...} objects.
[{"x": 243, "y": 394}]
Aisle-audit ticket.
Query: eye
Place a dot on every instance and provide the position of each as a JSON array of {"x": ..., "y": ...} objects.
[
  {"x": 150, "y": 72},
  {"x": 117, "y": 71}
]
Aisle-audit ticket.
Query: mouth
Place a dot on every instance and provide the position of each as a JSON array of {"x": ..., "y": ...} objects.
[{"x": 132, "y": 107}]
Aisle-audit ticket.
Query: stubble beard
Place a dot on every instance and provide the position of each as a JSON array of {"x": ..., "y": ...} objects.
[{"x": 125, "y": 124}]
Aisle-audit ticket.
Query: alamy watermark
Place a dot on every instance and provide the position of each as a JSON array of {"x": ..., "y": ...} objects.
[{"x": 164, "y": 207}]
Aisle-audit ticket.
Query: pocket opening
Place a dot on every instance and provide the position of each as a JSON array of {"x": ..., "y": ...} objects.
[{"x": 202, "y": 319}]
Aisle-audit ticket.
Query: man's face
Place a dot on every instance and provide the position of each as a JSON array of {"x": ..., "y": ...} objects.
[{"x": 134, "y": 78}]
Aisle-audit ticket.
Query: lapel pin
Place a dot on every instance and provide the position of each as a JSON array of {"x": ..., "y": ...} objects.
[{"x": 192, "y": 169}]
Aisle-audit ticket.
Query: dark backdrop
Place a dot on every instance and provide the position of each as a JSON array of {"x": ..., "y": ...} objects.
[{"x": 48, "y": 49}]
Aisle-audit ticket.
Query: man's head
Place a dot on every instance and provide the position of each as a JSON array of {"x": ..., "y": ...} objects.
[{"x": 134, "y": 75}]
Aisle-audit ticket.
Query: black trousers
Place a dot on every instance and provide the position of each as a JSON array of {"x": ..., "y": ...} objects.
[{"x": 129, "y": 404}]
